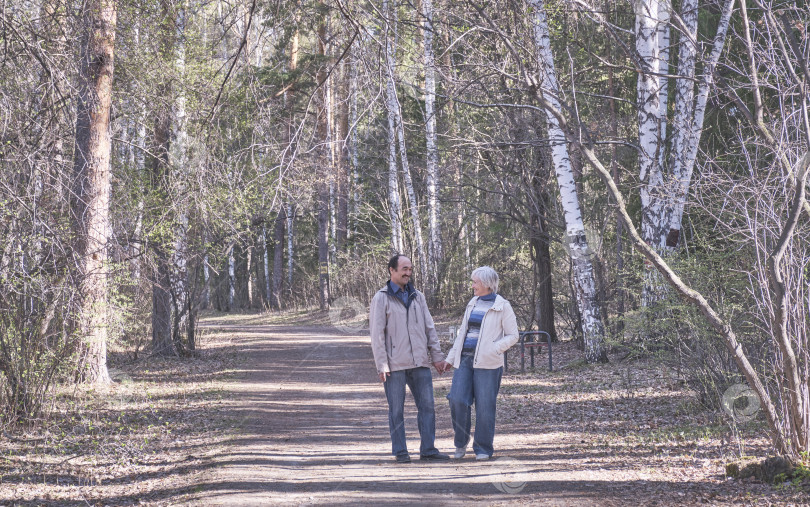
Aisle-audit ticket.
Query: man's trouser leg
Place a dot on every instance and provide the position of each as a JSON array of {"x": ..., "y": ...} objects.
[
  {"x": 395, "y": 394},
  {"x": 420, "y": 382}
]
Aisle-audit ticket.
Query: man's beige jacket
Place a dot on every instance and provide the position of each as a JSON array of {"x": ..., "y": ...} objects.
[{"x": 402, "y": 338}]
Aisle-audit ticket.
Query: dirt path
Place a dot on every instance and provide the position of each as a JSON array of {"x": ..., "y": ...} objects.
[{"x": 313, "y": 430}]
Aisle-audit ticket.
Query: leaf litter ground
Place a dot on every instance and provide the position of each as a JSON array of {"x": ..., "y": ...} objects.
[{"x": 285, "y": 409}]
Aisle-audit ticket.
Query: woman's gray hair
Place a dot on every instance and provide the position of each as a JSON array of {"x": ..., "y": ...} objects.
[{"x": 487, "y": 276}]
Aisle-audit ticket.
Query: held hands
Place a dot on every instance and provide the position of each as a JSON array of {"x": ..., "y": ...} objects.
[{"x": 442, "y": 366}]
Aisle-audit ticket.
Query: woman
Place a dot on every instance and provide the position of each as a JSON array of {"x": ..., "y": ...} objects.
[{"x": 487, "y": 330}]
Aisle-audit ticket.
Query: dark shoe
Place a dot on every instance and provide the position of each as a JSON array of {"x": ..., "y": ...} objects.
[
  {"x": 435, "y": 457},
  {"x": 403, "y": 458}
]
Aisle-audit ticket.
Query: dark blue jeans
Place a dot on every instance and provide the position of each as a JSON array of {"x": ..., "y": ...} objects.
[
  {"x": 479, "y": 386},
  {"x": 420, "y": 382}
]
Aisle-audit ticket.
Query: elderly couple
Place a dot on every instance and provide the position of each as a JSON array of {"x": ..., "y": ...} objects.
[{"x": 405, "y": 344}]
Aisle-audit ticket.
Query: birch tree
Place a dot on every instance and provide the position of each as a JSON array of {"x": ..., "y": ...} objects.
[
  {"x": 322, "y": 187},
  {"x": 391, "y": 106},
  {"x": 585, "y": 291},
  {"x": 431, "y": 148},
  {"x": 689, "y": 120},
  {"x": 651, "y": 175}
]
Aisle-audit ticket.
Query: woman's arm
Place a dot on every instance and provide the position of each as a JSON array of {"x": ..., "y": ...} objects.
[{"x": 510, "y": 329}]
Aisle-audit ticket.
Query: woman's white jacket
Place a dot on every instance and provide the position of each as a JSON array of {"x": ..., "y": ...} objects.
[{"x": 499, "y": 331}]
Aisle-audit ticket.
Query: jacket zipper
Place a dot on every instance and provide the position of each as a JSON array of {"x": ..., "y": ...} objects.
[
  {"x": 481, "y": 332},
  {"x": 407, "y": 322}
]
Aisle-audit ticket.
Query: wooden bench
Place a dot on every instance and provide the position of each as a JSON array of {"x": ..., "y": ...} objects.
[{"x": 532, "y": 340}]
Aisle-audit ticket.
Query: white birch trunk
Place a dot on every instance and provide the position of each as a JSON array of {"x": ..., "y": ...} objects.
[
  {"x": 353, "y": 134},
  {"x": 683, "y": 172},
  {"x": 140, "y": 166},
  {"x": 653, "y": 195},
  {"x": 664, "y": 10},
  {"x": 267, "y": 291},
  {"x": 231, "y": 278},
  {"x": 581, "y": 256},
  {"x": 432, "y": 155},
  {"x": 413, "y": 205},
  {"x": 138, "y": 161},
  {"x": 331, "y": 140},
  {"x": 250, "y": 278},
  {"x": 396, "y": 112},
  {"x": 179, "y": 162},
  {"x": 290, "y": 237},
  {"x": 395, "y": 208},
  {"x": 684, "y": 99},
  {"x": 206, "y": 295}
]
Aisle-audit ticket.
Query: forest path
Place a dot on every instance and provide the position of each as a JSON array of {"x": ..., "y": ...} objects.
[{"x": 312, "y": 428}]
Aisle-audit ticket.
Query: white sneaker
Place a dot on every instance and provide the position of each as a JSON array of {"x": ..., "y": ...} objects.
[
  {"x": 482, "y": 457},
  {"x": 460, "y": 452}
]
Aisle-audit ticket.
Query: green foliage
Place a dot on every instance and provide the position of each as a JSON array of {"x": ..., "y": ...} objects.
[{"x": 37, "y": 346}]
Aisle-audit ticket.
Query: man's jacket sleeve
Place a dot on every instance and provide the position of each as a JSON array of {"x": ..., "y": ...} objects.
[
  {"x": 434, "y": 348},
  {"x": 376, "y": 321}
]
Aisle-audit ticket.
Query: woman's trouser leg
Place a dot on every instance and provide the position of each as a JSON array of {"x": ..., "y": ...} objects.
[{"x": 486, "y": 384}]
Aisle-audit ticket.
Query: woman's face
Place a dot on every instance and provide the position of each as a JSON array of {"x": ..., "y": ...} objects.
[{"x": 478, "y": 287}]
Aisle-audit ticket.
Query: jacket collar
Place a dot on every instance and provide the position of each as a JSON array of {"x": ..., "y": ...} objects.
[
  {"x": 408, "y": 288},
  {"x": 497, "y": 305}
]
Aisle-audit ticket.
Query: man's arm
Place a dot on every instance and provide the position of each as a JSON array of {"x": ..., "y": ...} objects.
[
  {"x": 377, "y": 322},
  {"x": 434, "y": 348}
]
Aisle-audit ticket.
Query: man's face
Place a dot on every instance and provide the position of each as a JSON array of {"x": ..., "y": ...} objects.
[{"x": 402, "y": 274}]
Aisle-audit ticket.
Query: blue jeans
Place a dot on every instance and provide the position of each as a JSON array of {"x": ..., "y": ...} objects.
[
  {"x": 420, "y": 382},
  {"x": 479, "y": 386}
]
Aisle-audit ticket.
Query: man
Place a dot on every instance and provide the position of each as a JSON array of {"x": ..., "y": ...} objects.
[{"x": 405, "y": 344}]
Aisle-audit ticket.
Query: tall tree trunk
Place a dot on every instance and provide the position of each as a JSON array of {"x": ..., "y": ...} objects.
[
  {"x": 91, "y": 183},
  {"x": 163, "y": 276},
  {"x": 353, "y": 134},
  {"x": 322, "y": 198},
  {"x": 653, "y": 191},
  {"x": 231, "y": 277},
  {"x": 278, "y": 234},
  {"x": 585, "y": 291},
  {"x": 278, "y": 259},
  {"x": 684, "y": 98},
  {"x": 266, "y": 258},
  {"x": 690, "y": 137},
  {"x": 396, "y": 111},
  {"x": 290, "y": 237},
  {"x": 394, "y": 205},
  {"x": 206, "y": 292},
  {"x": 179, "y": 162},
  {"x": 664, "y": 12},
  {"x": 432, "y": 153},
  {"x": 540, "y": 244},
  {"x": 250, "y": 278},
  {"x": 343, "y": 160},
  {"x": 614, "y": 169},
  {"x": 332, "y": 149}
]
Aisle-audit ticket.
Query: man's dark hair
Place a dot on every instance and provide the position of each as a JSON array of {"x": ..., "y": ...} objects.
[{"x": 393, "y": 263}]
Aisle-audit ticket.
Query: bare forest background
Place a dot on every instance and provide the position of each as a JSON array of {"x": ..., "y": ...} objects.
[{"x": 635, "y": 171}]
